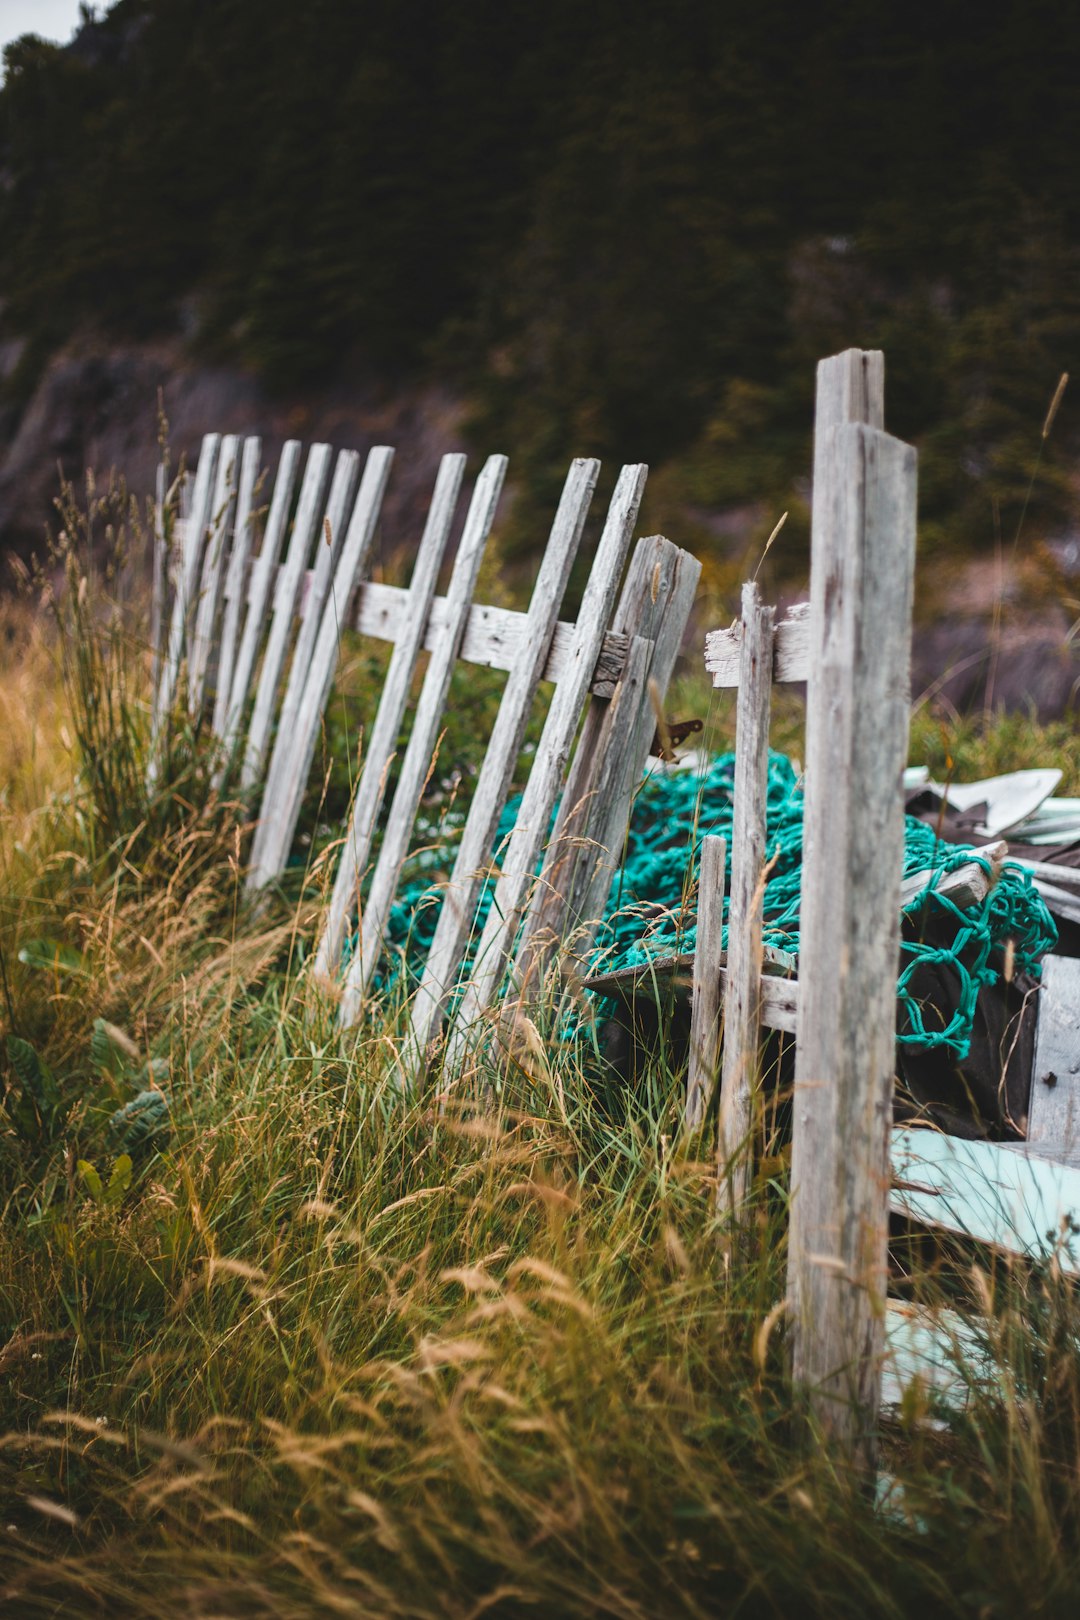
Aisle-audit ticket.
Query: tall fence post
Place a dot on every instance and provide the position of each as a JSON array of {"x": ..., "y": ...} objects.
[
  {"x": 742, "y": 1012},
  {"x": 862, "y": 572}
]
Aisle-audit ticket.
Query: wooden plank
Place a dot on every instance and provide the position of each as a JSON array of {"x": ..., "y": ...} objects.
[
  {"x": 1011, "y": 1200},
  {"x": 742, "y": 1002},
  {"x": 475, "y": 850},
  {"x": 312, "y": 490},
  {"x": 707, "y": 999},
  {"x": 938, "y": 1351},
  {"x": 1064, "y": 903},
  {"x": 862, "y": 571},
  {"x": 1063, "y": 877},
  {"x": 262, "y": 580},
  {"x": 850, "y": 387},
  {"x": 493, "y": 635},
  {"x": 967, "y": 885},
  {"x": 586, "y": 844},
  {"x": 286, "y": 776},
  {"x": 791, "y": 649},
  {"x": 423, "y": 740},
  {"x": 517, "y": 876},
  {"x": 379, "y": 745},
  {"x": 189, "y": 563},
  {"x": 299, "y": 725},
  {"x": 236, "y": 580},
  {"x": 1054, "y": 1111},
  {"x": 217, "y": 547},
  {"x": 159, "y": 580},
  {"x": 779, "y": 995}
]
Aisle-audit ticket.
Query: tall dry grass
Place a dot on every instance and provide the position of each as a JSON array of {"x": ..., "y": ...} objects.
[{"x": 317, "y": 1351}]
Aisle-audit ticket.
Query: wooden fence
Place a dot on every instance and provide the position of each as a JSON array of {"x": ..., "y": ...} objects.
[
  {"x": 851, "y": 646},
  {"x": 264, "y": 634},
  {"x": 243, "y": 618}
]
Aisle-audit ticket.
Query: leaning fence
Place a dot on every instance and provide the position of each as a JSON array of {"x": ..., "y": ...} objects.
[{"x": 251, "y": 639}]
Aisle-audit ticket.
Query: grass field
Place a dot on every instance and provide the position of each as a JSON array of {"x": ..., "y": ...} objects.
[{"x": 316, "y": 1351}]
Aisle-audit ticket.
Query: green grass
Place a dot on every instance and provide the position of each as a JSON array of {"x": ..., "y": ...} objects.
[{"x": 329, "y": 1353}]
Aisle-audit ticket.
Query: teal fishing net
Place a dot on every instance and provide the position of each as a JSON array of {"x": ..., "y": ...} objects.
[{"x": 651, "y": 911}]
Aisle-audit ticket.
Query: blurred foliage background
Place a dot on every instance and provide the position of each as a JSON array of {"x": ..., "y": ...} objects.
[{"x": 620, "y": 228}]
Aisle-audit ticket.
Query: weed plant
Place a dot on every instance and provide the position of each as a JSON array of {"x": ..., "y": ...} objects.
[{"x": 301, "y": 1347}]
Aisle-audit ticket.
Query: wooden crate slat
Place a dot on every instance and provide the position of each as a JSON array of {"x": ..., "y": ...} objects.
[
  {"x": 742, "y": 1001},
  {"x": 474, "y": 853},
  {"x": 518, "y": 866},
  {"x": 779, "y": 994},
  {"x": 287, "y": 585},
  {"x": 378, "y": 745},
  {"x": 423, "y": 739},
  {"x": 236, "y": 580},
  {"x": 1054, "y": 1111},
  {"x": 990, "y": 1191},
  {"x": 298, "y": 729},
  {"x": 705, "y": 1010},
  {"x": 937, "y": 1349},
  {"x": 261, "y": 582}
]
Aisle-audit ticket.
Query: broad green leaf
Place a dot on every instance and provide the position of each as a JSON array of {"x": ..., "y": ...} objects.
[
  {"x": 35, "y": 1076},
  {"x": 112, "y": 1052},
  {"x": 120, "y": 1180},
  {"x": 91, "y": 1180}
]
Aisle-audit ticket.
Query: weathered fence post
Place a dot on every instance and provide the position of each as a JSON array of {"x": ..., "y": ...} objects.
[
  {"x": 862, "y": 570},
  {"x": 706, "y": 1004},
  {"x": 742, "y": 1010}
]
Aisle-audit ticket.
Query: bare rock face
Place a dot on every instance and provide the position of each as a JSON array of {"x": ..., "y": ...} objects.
[
  {"x": 96, "y": 406},
  {"x": 1031, "y": 666},
  {"x": 999, "y": 633}
]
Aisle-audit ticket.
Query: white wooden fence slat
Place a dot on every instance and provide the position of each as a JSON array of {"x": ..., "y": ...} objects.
[
  {"x": 706, "y": 1004},
  {"x": 423, "y": 738},
  {"x": 1054, "y": 1112},
  {"x": 475, "y": 851},
  {"x": 298, "y": 730},
  {"x": 1017, "y": 1201},
  {"x": 586, "y": 845},
  {"x": 742, "y": 1007},
  {"x": 676, "y": 587},
  {"x": 289, "y": 744},
  {"x": 236, "y": 580},
  {"x": 160, "y": 576},
  {"x": 493, "y": 635},
  {"x": 263, "y": 579},
  {"x": 531, "y": 829},
  {"x": 862, "y": 574},
  {"x": 189, "y": 561},
  {"x": 378, "y": 746},
  {"x": 342, "y": 489},
  {"x": 287, "y": 585},
  {"x": 791, "y": 650},
  {"x": 221, "y": 517}
]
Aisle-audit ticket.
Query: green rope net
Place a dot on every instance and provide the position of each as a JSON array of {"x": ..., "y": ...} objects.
[{"x": 652, "y": 908}]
